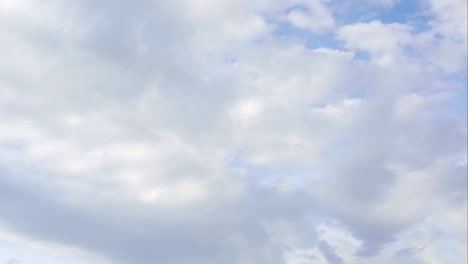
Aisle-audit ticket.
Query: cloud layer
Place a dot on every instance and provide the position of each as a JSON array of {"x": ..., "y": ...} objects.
[{"x": 202, "y": 131}]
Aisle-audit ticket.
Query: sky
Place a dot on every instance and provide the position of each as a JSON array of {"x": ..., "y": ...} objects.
[{"x": 233, "y": 132}]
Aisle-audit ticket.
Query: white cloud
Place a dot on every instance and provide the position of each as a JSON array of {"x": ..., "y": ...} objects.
[
  {"x": 315, "y": 17},
  {"x": 383, "y": 41},
  {"x": 194, "y": 132}
]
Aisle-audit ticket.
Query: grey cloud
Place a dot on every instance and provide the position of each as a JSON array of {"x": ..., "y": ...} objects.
[
  {"x": 129, "y": 232},
  {"x": 329, "y": 253}
]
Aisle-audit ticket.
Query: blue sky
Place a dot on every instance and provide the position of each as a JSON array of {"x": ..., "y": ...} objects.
[{"x": 233, "y": 131}]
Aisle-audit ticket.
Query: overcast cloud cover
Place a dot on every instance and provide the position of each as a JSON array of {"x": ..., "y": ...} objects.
[{"x": 233, "y": 132}]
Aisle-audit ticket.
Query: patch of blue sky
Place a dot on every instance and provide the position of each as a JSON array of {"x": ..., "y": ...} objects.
[
  {"x": 361, "y": 55},
  {"x": 402, "y": 12},
  {"x": 310, "y": 39},
  {"x": 410, "y": 12}
]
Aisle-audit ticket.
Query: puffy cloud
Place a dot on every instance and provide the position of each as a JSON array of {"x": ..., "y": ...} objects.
[
  {"x": 192, "y": 132},
  {"x": 315, "y": 17},
  {"x": 375, "y": 37}
]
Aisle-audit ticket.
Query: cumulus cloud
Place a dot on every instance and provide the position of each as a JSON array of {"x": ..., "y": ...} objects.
[
  {"x": 217, "y": 132},
  {"x": 315, "y": 17}
]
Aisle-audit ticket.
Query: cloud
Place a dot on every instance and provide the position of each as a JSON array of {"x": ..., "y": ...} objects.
[
  {"x": 13, "y": 261},
  {"x": 375, "y": 37},
  {"x": 194, "y": 132},
  {"x": 314, "y": 17}
]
